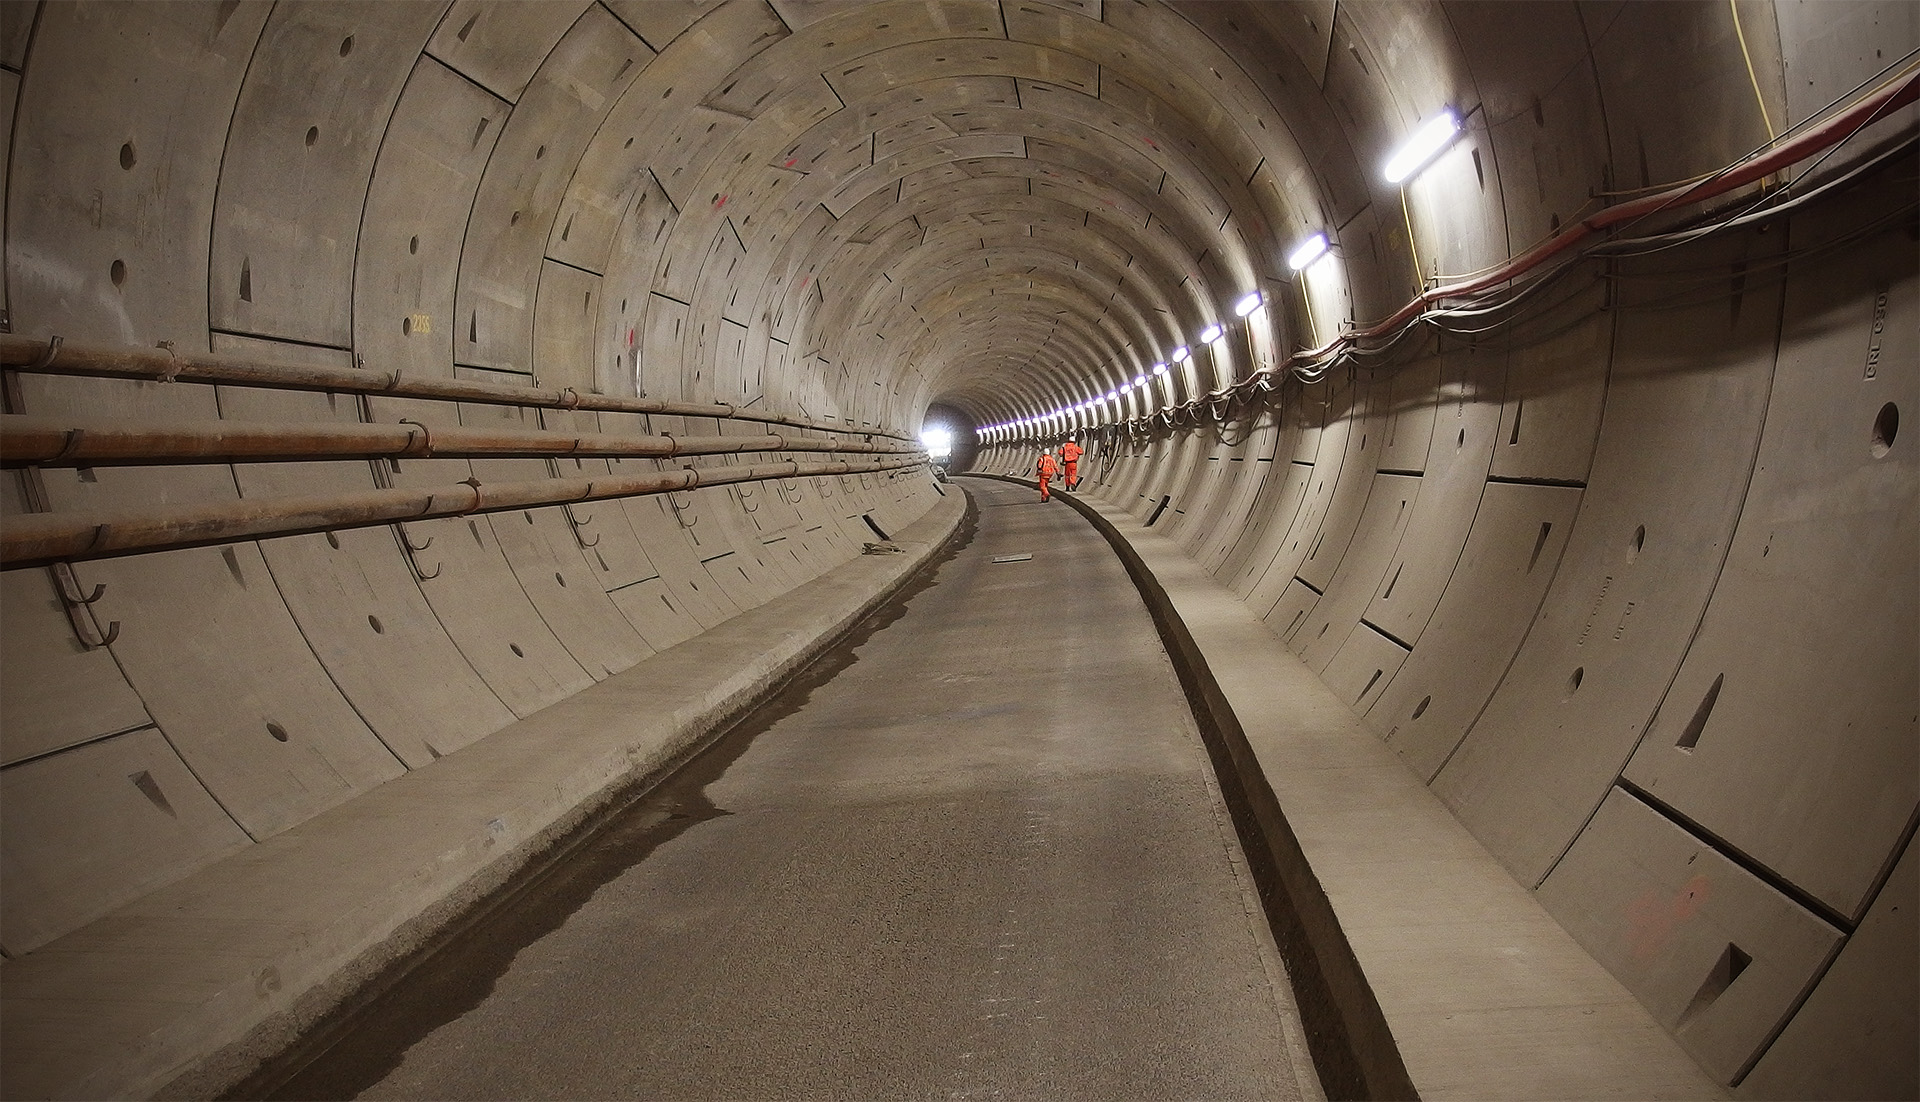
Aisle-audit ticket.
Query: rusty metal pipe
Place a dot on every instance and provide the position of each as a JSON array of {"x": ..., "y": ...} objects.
[
  {"x": 65, "y": 442},
  {"x": 170, "y": 365},
  {"x": 38, "y": 539}
]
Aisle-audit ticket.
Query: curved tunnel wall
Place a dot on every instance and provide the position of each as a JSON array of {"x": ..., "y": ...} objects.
[{"x": 1632, "y": 588}]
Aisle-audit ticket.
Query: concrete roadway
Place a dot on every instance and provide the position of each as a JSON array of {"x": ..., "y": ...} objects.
[{"x": 977, "y": 853}]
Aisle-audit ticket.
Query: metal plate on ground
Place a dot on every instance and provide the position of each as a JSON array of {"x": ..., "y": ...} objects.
[{"x": 1024, "y": 556}]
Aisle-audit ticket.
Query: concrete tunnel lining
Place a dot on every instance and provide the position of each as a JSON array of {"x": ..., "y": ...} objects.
[{"x": 1631, "y": 577}]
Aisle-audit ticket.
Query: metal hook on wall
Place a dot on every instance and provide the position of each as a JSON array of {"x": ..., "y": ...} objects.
[
  {"x": 577, "y": 524},
  {"x": 406, "y": 544},
  {"x": 84, "y": 628},
  {"x": 673, "y": 504}
]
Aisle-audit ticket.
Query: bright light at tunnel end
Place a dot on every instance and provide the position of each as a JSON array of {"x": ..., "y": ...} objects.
[
  {"x": 937, "y": 441},
  {"x": 1431, "y": 138}
]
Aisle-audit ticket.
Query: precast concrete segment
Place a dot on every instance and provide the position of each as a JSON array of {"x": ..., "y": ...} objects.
[
  {"x": 979, "y": 854},
  {"x": 186, "y": 988}
]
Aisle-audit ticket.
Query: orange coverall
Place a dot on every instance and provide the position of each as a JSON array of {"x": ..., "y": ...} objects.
[
  {"x": 1047, "y": 470},
  {"x": 1071, "y": 452}
]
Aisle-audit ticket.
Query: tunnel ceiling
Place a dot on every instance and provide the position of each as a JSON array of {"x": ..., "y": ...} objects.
[
  {"x": 998, "y": 206},
  {"x": 989, "y": 204},
  {"x": 843, "y": 210}
]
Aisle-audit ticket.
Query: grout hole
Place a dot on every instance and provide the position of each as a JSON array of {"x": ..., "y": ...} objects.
[
  {"x": 406, "y": 325},
  {"x": 333, "y": 541},
  {"x": 558, "y": 578},
  {"x": 1639, "y": 541},
  {"x": 346, "y": 46},
  {"x": 517, "y": 652},
  {"x": 1886, "y": 426},
  {"x": 1420, "y": 709},
  {"x": 313, "y": 135},
  {"x": 1573, "y": 682},
  {"x": 374, "y": 623},
  {"x": 413, "y": 245},
  {"x": 278, "y": 732},
  {"x": 126, "y": 156},
  {"x": 118, "y": 272}
]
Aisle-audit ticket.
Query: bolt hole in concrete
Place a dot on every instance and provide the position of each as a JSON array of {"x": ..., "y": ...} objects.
[
  {"x": 1886, "y": 426},
  {"x": 1639, "y": 541},
  {"x": 126, "y": 155},
  {"x": 1573, "y": 682},
  {"x": 517, "y": 652},
  {"x": 313, "y": 135},
  {"x": 346, "y": 46},
  {"x": 406, "y": 326},
  {"x": 374, "y": 623},
  {"x": 413, "y": 245},
  {"x": 561, "y": 580},
  {"x": 118, "y": 272},
  {"x": 1420, "y": 709},
  {"x": 278, "y": 732},
  {"x": 333, "y": 541}
]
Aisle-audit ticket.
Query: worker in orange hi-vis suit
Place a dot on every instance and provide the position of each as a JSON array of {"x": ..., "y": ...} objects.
[
  {"x": 1047, "y": 469},
  {"x": 1070, "y": 453}
]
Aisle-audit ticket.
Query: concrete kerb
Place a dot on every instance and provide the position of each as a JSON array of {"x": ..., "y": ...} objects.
[
  {"x": 1353, "y": 1049},
  {"x": 184, "y": 992}
]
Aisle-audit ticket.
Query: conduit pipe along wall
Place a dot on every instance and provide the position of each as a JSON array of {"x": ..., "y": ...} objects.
[{"x": 1624, "y": 569}]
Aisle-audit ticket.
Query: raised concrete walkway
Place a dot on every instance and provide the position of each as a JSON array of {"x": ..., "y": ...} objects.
[
  {"x": 184, "y": 990},
  {"x": 1425, "y": 945}
]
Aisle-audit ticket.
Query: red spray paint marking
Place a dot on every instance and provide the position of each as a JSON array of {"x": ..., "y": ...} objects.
[
  {"x": 1653, "y": 920},
  {"x": 791, "y": 161},
  {"x": 721, "y": 202}
]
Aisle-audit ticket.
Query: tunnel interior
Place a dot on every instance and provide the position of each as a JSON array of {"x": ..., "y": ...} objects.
[{"x": 1605, "y": 525}]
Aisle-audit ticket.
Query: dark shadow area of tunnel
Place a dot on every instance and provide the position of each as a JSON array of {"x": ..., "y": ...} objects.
[
  {"x": 1353, "y": 1049},
  {"x": 364, "y": 1038}
]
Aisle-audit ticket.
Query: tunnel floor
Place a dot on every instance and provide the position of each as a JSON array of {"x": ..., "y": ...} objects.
[{"x": 977, "y": 852}]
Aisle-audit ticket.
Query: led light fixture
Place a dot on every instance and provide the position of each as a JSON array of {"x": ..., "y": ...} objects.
[
  {"x": 1180, "y": 354},
  {"x": 1160, "y": 369},
  {"x": 1310, "y": 250},
  {"x": 1431, "y": 138},
  {"x": 1248, "y": 304},
  {"x": 1139, "y": 380},
  {"x": 1210, "y": 334},
  {"x": 1112, "y": 394}
]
